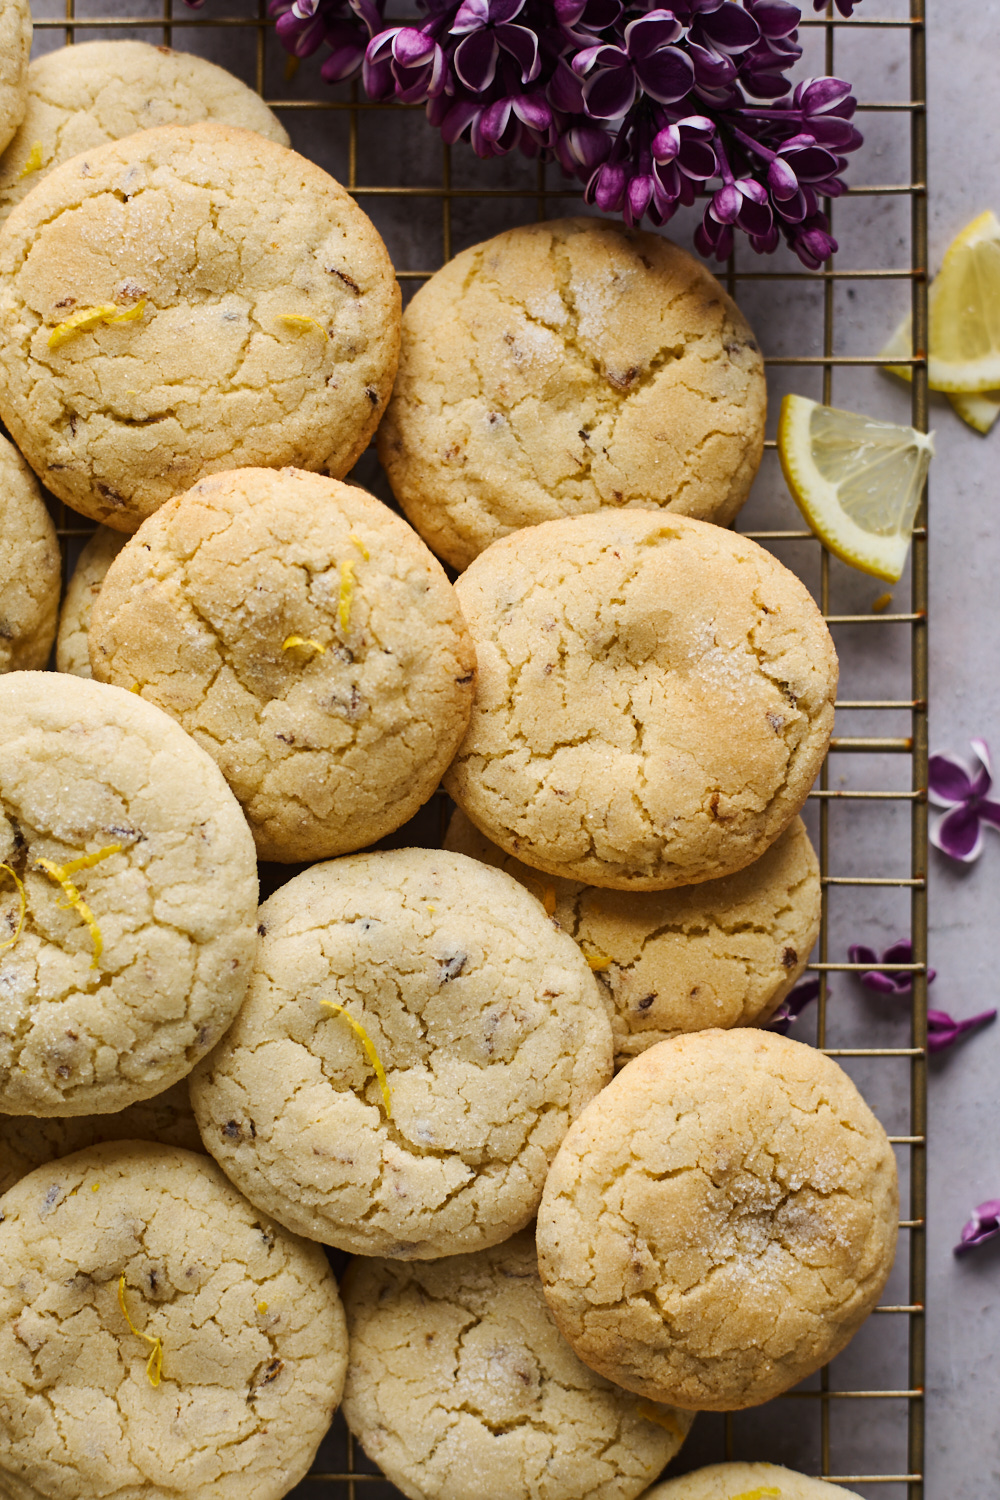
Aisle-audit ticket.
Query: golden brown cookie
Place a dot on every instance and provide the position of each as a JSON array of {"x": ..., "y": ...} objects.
[
  {"x": 15, "y": 44},
  {"x": 82, "y": 96},
  {"x": 460, "y": 1384},
  {"x": 655, "y": 698},
  {"x": 563, "y": 367},
  {"x": 303, "y": 634},
  {"x": 30, "y": 576},
  {"x": 723, "y": 953},
  {"x": 719, "y": 1221},
  {"x": 73, "y": 640},
  {"x": 416, "y": 1040},
  {"x": 190, "y": 299},
  {"x": 158, "y": 1336}
]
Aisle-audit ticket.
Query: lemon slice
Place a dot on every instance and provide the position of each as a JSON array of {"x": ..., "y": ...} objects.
[
  {"x": 964, "y": 312},
  {"x": 857, "y": 481},
  {"x": 979, "y": 409}
]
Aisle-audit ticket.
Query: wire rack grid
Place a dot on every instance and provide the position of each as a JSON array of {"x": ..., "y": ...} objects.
[{"x": 470, "y": 200}]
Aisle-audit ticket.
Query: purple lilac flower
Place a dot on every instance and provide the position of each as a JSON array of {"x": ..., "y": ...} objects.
[
  {"x": 846, "y": 7},
  {"x": 649, "y": 106},
  {"x": 984, "y": 1225},
  {"x": 788, "y": 1012},
  {"x": 951, "y": 784},
  {"x": 943, "y": 1031},
  {"x": 899, "y": 952}
]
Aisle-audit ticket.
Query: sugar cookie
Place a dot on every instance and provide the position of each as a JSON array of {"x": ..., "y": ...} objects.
[
  {"x": 128, "y": 901},
  {"x": 415, "y": 1042},
  {"x": 158, "y": 1337},
  {"x": 29, "y": 567},
  {"x": 723, "y": 953},
  {"x": 303, "y": 634},
  {"x": 741, "y": 1481},
  {"x": 655, "y": 698},
  {"x": 72, "y": 642},
  {"x": 15, "y": 45},
  {"x": 460, "y": 1384},
  {"x": 563, "y": 367},
  {"x": 80, "y": 97},
  {"x": 189, "y": 299},
  {"x": 720, "y": 1220}
]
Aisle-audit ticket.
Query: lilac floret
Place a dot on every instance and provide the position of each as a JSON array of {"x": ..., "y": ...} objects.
[
  {"x": 984, "y": 1225},
  {"x": 788, "y": 1012},
  {"x": 899, "y": 952},
  {"x": 963, "y": 791},
  {"x": 943, "y": 1031}
]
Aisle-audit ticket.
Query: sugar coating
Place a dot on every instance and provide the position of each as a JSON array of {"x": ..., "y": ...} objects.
[
  {"x": 83, "y": 96},
  {"x": 329, "y": 744},
  {"x": 30, "y": 576},
  {"x": 562, "y": 367},
  {"x": 223, "y": 236},
  {"x": 72, "y": 642},
  {"x": 487, "y": 1021},
  {"x": 459, "y": 1384},
  {"x": 15, "y": 44},
  {"x": 738, "y": 1481},
  {"x": 86, "y": 767},
  {"x": 655, "y": 698},
  {"x": 252, "y": 1329},
  {"x": 720, "y": 1221},
  {"x": 723, "y": 953},
  {"x": 27, "y": 1142}
]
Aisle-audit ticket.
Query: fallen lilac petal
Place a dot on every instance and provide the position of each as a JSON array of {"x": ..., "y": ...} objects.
[
  {"x": 958, "y": 834},
  {"x": 793, "y": 1005},
  {"x": 948, "y": 781},
  {"x": 943, "y": 1030},
  {"x": 984, "y": 1225}
]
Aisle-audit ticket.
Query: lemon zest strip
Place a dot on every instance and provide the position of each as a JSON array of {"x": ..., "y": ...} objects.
[
  {"x": 34, "y": 162},
  {"x": 881, "y": 603},
  {"x": 303, "y": 640},
  {"x": 154, "y": 1364},
  {"x": 759, "y": 1494},
  {"x": 665, "y": 1420},
  {"x": 346, "y": 594},
  {"x": 89, "y": 317},
  {"x": 360, "y": 546},
  {"x": 9, "y": 942},
  {"x": 302, "y": 323},
  {"x": 370, "y": 1052},
  {"x": 60, "y": 874},
  {"x": 549, "y": 900},
  {"x": 598, "y": 961}
]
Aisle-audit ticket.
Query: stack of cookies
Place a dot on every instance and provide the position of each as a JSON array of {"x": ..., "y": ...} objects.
[{"x": 407, "y": 1054}]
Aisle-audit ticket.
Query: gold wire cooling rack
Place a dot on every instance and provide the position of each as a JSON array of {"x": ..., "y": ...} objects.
[{"x": 868, "y": 1410}]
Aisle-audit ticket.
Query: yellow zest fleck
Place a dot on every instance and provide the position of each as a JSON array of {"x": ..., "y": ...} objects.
[
  {"x": 135, "y": 688},
  {"x": 360, "y": 546},
  {"x": 262, "y": 1308},
  {"x": 34, "y": 162},
  {"x": 154, "y": 1364},
  {"x": 302, "y": 323},
  {"x": 549, "y": 901},
  {"x": 881, "y": 603},
  {"x": 303, "y": 640},
  {"x": 95, "y": 1187},
  {"x": 9, "y": 942},
  {"x": 61, "y": 875},
  {"x": 346, "y": 594},
  {"x": 661, "y": 1418},
  {"x": 768, "y": 1493},
  {"x": 89, "y": 317},
  {"x": 370, "y": 1052},
  {"x": 598, "y": 961}
]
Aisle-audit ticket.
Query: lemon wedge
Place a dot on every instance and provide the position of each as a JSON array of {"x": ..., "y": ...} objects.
[
  {"x": 979, "y": 409},
  {"x": 964, "y": 312},
  {"x": 857, "y": 481}
]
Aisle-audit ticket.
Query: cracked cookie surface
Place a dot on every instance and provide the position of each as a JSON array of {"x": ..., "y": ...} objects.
[
  {"x": 459, "y": 1385},
  {"x": 250, "y": 316},
  {"x": 723, "y": 953},
  {"x": 654, "y": 699},
  {"x": 99, "y": 784},
  {"x": 72, "y": 642},
  {"x": 720, "y": 1221},
  {"x": 488, "y": 1025},
  {"x": 15, "y": 45},
  {"x": 249, "y": 1323},
  {"x": 27, "y": 1142},
  {"x": 83, "y": 96},
  {"x": 742, "y": 1481},
  {"x": 331, "y": 742},
  {"x": 566, "y": 366},
  {"x": 30, "y": 577}
]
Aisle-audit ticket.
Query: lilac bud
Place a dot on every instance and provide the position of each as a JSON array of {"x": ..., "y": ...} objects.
[
  {"x": 781, "y": 179},
  {"x": 726, "y": 204}
]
